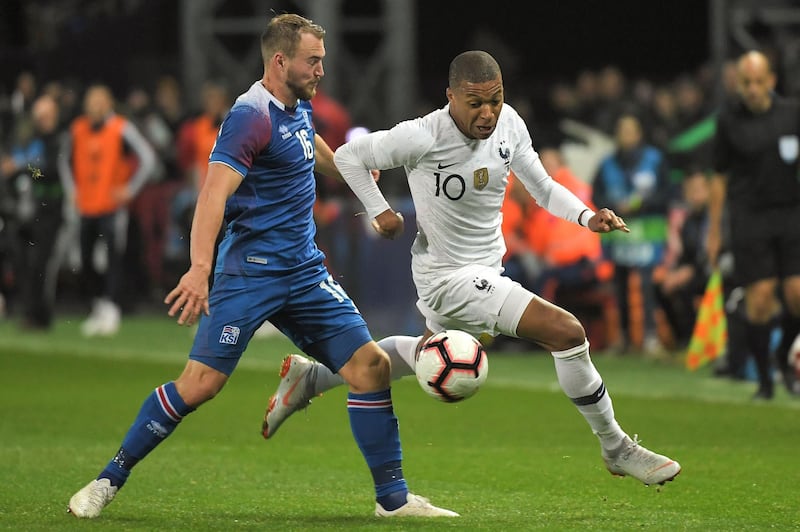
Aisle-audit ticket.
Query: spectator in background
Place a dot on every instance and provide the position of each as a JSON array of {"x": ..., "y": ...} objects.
[
  {"x": 21, "y": 100},
  {"x": 150, "y": 209},
  {"x": 196, "y": 138},
  {"x": 665, "y": 120},
  {"x": 550, "y": 256},
  {"x": 572, "y": 256},
  {"x": 332, "y": 122},
  {"x": 730, "y": 79},
  {"x": 167, "y": 100},
  {"x": 690, "y": 102},
  {"x": 587, "y": 95},
  {"x": 101, "y": 180},
  {"x": 55, "y": 90},
  {"x": 69, "y": 102},
  {"x": 633, "y": 181},
  {"x": 756, "y": 157},
  {"x": 564, "y": 102},
  {"x": 331, "y": 119},
  {"x": 34, "y": 167},
  {"x": 204, "y": 129},
  {"x": 178, "y": 161},
  {"x": 642, "y": 93},
  {"x": 680, "y": 287},
  {"x": 23, "y": 95},
  {"x": 140, "y": 110},
  {"x": 612, "y": 94},
  {"x": 520, "y": 262},
  {"x": 544, "y": 249}
]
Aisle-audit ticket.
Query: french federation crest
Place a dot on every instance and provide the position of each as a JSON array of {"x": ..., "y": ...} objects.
[
  {"x": 505, "y": 154},
  {"x": 480, "y": 178},
  {"x": 230, "y": 335}
]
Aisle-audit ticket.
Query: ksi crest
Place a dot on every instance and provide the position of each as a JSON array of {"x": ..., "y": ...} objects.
[
  {"x": 230, "y": 335},
  {"x": 480, "y": 178}
]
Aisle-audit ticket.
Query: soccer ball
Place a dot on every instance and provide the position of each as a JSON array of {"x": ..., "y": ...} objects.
[{"x": 451, "y": 366}]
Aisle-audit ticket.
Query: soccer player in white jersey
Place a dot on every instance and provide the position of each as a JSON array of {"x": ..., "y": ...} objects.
[{"x": 457, "y": 160}]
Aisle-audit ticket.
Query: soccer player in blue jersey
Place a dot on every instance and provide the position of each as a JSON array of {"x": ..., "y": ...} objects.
[{"x": 261, "y": 183}]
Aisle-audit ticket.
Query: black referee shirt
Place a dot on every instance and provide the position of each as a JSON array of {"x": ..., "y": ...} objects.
[{"x": 759, "y": 154}]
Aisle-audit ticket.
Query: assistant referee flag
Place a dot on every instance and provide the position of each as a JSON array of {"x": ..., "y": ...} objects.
[{"x": 710, "y": 333}]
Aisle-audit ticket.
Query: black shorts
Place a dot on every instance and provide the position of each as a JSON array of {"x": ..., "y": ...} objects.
[{"x": 766, "y": 243}]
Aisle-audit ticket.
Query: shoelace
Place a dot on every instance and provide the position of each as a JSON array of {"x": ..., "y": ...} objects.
[
  {"x": 422, "y": 500},
  {"x": 99, "y": 494},
  {"x": 626, "y": 453}
]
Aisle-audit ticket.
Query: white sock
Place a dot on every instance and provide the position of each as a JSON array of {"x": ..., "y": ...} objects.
[
  {"x": 583, "y": 385},
  {"x": 402, "y": 352},
  {"x": 324, "y": 379}
]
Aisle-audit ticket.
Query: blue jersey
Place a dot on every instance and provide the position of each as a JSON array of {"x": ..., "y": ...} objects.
[
  {"x": 268, "y": 265},
  {"x": 270, "y": 225}
]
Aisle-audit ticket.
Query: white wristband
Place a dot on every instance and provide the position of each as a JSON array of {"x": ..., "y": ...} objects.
[{"x": 580, "y": 216}]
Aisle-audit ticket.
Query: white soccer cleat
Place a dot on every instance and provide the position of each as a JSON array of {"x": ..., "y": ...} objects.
[
  {"x": 90, "y": 501},
  {"x": 91, "y": 326},
  {"x": 294, "y": 393},
  {"x": 104, "y": 319},
  {"x": 632, "y": 459},
  {"x": 415, "y": 506},
  {"x": 110, "y": 318}
]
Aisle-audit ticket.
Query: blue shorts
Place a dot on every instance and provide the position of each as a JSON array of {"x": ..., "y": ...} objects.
[{"x": 308, "y": 306}]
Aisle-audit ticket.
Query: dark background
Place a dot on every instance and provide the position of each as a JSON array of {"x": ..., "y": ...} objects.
[
  {"x": 536, "y": 41},
  {"x": 556, "y": 39}
]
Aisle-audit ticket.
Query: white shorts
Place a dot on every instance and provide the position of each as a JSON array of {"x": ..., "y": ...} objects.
[{"x": 475, "y": 299}]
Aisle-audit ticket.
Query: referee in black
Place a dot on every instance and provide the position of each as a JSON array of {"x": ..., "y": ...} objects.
[{"x": 756, "y": 152}]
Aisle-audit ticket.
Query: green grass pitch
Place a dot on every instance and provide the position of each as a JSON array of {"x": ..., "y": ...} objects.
[{"x": 517, "y": 456}]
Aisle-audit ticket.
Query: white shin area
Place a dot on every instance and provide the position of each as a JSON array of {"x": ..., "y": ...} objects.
[
  {"x": 579, "y": 379},
  {"x": 402, "y": 352}
]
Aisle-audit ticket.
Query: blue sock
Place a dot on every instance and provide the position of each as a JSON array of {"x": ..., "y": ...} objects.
[
  {"x": 377, "y": 434},
  {"x": 160, "y": 414}
]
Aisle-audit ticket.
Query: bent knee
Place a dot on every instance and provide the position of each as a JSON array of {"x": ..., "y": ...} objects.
[
  {"x": 368, "y": 370},
  {"x": 550, "y": 326},
  {"x": 564, "y": 332},
  {"x": 199, "y": 383},
  {"x": 572, "y": 332}
]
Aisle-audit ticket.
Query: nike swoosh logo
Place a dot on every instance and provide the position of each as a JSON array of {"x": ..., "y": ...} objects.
[
  {"x": 443, "y": 166},
  {"x": 663, "y": 466},
  {"x": 285, "y": 399}
]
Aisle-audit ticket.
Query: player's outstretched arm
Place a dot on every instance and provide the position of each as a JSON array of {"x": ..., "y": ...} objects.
[
  {"x": 190, "y": 297},
  {"x": 323, "y": 159},
  {"x": 354, "y": 161}
]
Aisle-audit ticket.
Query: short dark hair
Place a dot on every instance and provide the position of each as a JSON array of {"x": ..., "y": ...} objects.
[
  {"x": 473, "y": 66},
  {"x": 283, "y": 34}
]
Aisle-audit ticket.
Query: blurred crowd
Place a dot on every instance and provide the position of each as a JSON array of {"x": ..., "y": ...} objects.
[
  {"x": 643, "y": 149},
  {"x": 97, "y": 193},
  {"x": 97, "y": 196}
]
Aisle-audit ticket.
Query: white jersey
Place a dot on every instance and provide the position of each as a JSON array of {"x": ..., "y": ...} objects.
[{"x": 457, "y": 184}]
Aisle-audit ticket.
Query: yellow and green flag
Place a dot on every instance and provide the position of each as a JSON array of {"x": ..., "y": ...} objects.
[{"x": 710, "y": 333}]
